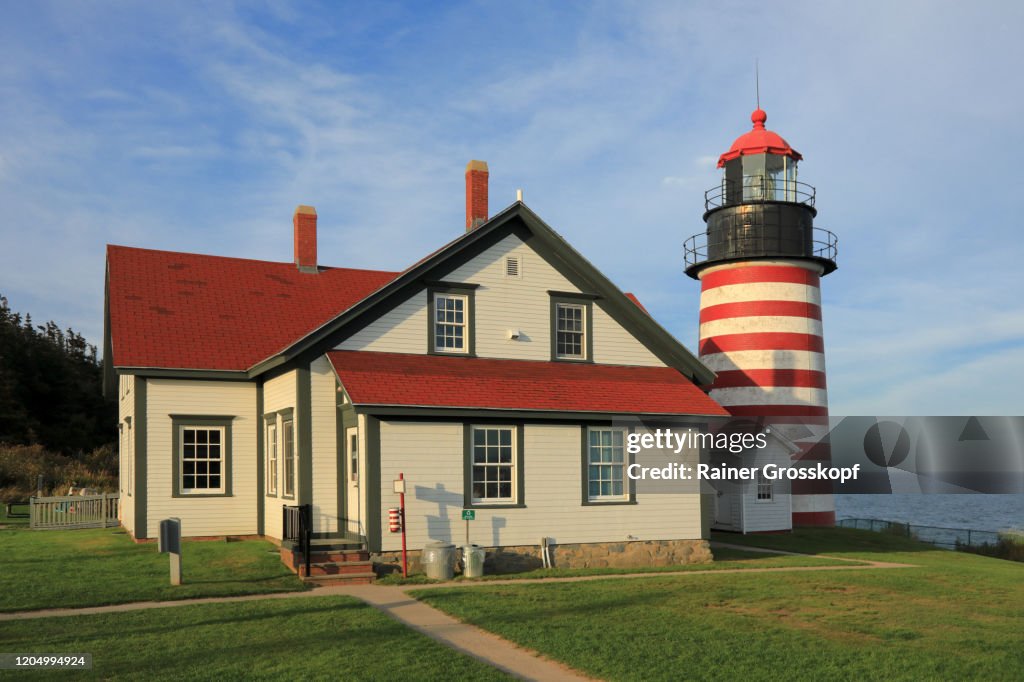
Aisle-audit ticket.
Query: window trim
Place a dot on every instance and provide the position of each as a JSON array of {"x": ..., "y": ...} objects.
[
  {"x": 586, "y": 301},
  {"x": 518, "y": 472},
  {"x": 758, "y": 482},
  {"x": 288, "y": 418},
  {"x": 629, "y": 459},
  {"x": 352, "y": 448},
  {"x": 128, "y": 441},
  {"x": 452, "y": 289},
  {"x": 274, "y": 418},
  {"x": 180, "y": 421},
  {"x": 270, "y": 421}
]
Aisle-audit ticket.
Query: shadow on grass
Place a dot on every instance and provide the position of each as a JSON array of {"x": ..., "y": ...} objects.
[
  {"x": 624, "y": 596},
  {"x": 815, "y": 541}
]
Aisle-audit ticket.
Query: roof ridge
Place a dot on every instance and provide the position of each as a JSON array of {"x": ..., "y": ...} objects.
[
  {"x": 464, "y": 358},
  {"x": 121, "y": 247}
]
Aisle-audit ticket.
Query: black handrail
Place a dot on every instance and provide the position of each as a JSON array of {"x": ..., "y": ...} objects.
[
  {"x": 297, "y": 526},
  {"x": 824, "y": 245},
  {"x": 755, "y": 189}
]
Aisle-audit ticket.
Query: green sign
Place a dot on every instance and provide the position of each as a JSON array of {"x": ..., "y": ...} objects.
[{"x": 469, "y": 515}]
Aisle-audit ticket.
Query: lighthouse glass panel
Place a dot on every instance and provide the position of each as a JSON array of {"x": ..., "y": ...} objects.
[{"x": 570, "y": 332}]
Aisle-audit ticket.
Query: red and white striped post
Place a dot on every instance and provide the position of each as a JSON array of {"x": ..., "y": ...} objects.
[{"x": 401, "y": 506}]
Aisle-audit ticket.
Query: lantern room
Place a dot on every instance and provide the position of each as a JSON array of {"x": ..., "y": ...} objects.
[
  {"x": 760, "y": 166},
  {"x": 760, "y": 210}
]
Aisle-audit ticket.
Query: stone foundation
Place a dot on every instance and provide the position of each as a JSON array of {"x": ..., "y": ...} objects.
[{"x": 632, "y": 554}]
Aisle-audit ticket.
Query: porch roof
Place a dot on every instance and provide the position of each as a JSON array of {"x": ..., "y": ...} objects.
[{"x": 398, "y": 379}]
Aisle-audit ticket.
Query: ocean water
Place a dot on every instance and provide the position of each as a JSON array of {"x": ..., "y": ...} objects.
[{"x": 974, "y": 511}]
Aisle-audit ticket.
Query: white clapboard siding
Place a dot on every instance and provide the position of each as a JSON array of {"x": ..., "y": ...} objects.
[
  {"x": 400, "y": 330},
  {"x": 761, "y": 515},
  {"x": 431, "y": 456},
  {"x": 502, "y": 304},
  {"x": 234, "y": 515},
  {"x": 278, "y": 394},
  {"x": 126, "y": 450},
  {"x": 323, "y": 405}
]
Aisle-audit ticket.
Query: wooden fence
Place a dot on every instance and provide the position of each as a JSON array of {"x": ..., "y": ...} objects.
[{"x": 74, "y": 511}]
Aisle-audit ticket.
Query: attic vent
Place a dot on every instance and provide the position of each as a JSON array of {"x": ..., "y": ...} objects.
[{"x": 513, "y": 267}]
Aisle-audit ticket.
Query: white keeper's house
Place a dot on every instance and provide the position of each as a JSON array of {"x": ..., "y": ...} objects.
[{"x": 500, "y": 373}]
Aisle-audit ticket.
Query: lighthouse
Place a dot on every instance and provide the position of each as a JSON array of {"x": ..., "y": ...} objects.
[{"x": 760, "y": 263}]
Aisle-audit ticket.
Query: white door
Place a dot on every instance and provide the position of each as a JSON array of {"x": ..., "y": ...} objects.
[
  {"x": 726, "y": 508},
  {"x": 353, "y": 474}
]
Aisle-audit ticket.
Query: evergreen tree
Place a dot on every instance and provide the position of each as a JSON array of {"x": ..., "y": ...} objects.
[{"x": 50, "y": 387}]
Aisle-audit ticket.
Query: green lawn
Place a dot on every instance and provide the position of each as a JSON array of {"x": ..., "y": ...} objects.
[
  {"x": 953, "y": 616},
  {"x": 328, "y": 638},
  {"x": 69, "y": 568},
  {"x": 725, "y": 559},
  {"x": 20, "y": 520}
]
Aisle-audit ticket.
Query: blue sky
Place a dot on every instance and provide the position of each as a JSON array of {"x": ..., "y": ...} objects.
[{"x": 200, "y": 126}]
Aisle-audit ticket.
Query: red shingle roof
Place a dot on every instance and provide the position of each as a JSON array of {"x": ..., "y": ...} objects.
[
  {"x": 189, "y": 311},
  {"x": 484, "y": 383}
]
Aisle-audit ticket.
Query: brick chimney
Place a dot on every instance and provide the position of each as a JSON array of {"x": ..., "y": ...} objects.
[
  {"x": 476, "y": 194},
  {"x": 304, "y": 221}
]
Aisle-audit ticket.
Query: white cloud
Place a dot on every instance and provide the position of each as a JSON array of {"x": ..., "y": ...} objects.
[{"x": 161, "y": 127}]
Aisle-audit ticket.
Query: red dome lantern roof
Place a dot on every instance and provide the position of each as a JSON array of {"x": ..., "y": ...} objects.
[{"x": 760, "y": 140}]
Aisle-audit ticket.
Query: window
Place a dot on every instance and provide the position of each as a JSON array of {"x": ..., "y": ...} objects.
[
  {"x": 272, "y": 464},
  {"x": 494, "y": 466},
  {"x": 570, "y": 334},
  {"x": 606, "y": 465},
  {"x": 450, "y": 319},
  {"x": 125, "y": 455},
  {"x": 288, "y": 455},
  {"x": 201, "y": 463},
  {"x": 202, "y": 459},
  {"x": 450, "y": 323},
  {"x": 572, "y": 326},
  {"x": 765, "y": 493},
  {"x": 353, "y": 456}
]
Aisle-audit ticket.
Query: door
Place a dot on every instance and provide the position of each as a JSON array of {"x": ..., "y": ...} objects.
[
  {"x": 353, "y": 476},
  {"x": 727, "y": 507}
]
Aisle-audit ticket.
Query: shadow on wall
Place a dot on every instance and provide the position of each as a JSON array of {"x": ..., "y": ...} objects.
[
  {"x": 439, "y": 526},
  {"x": 497, "y": 523}
]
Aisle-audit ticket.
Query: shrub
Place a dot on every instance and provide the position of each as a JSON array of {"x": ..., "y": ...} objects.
[
  {"x": 21, "y": 466},
  {"x": 1009, "y": 545}
]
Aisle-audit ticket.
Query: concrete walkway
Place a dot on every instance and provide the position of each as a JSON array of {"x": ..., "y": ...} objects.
[{"x": 468, "y": 639}]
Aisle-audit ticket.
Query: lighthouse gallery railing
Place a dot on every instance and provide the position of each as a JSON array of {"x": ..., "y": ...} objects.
[{"x": 824, "y": 244}]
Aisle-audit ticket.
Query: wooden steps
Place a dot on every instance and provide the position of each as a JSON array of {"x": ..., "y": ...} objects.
[{"x": 332, "y": 561}]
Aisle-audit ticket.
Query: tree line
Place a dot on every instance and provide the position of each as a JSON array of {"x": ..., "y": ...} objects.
[{"x": 51, "y": 390}]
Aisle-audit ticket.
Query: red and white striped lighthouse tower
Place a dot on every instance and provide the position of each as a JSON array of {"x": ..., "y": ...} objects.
[{"x": 760, "y": 262}]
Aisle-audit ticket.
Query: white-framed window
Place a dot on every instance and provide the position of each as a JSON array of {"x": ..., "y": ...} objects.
[
  {"x": 353, "y": 456},
  {"x": 493, "y": 464},
  {"x": 571, "y": 331},
  {"x": 288, "y": 457},
  {"x": 272, "y": 460},
  {"x": 451, "y": 323},
  {"x": 129, "y": 450},
  {"x": 606, "y": 465},
  {"x": 202, "y": 459},
  {"x": 126, "y": 455},
  {"x": 765, "y": 491}
]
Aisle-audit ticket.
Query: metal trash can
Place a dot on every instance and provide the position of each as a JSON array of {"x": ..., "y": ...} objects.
[
  {"x": 473, "y": 561},
  {"x": 438, "y": 559}
]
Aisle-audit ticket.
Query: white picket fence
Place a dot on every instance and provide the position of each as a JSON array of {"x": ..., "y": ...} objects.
[{"x": 74, "y": 511}]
